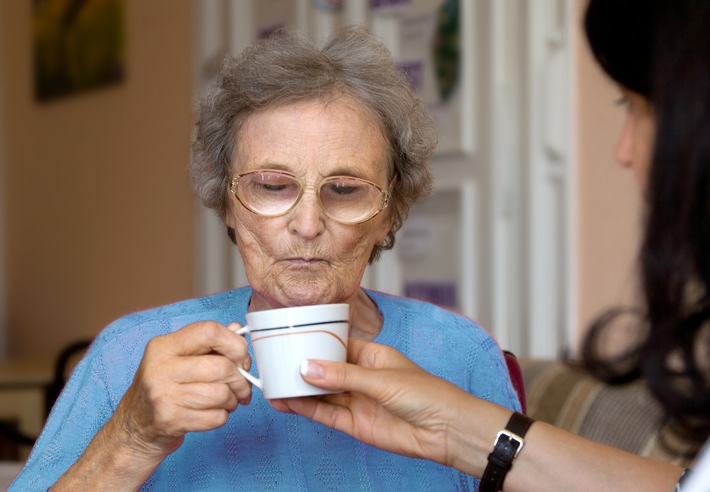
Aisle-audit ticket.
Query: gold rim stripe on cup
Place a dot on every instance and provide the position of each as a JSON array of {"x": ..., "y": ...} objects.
[{"x": 254, "y": 340}]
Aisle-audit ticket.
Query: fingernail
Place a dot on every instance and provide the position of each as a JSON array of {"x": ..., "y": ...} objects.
[
  {"x": 233, "y": 326},
  {"x": 311, "y": 369}
]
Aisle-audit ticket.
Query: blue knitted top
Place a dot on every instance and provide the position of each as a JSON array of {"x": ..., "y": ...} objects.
[{"x": 260, "y": 448}]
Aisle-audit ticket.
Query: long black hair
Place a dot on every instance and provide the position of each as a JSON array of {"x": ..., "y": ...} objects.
[{"x": 660, "y": 49}]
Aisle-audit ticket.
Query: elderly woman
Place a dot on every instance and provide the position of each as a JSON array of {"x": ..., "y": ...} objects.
[{"x": 312, "y": 158}]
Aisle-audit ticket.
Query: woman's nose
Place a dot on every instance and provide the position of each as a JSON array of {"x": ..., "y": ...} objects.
[
  {"x": 625, "y": 144},
  {"x": 306, "y": 219}
]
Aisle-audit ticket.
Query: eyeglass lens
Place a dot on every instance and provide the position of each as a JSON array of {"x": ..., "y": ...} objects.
[{"x": 343, "y": 198}]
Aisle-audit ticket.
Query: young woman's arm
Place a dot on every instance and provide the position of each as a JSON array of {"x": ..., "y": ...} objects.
[{"x": 393, "y": 404}]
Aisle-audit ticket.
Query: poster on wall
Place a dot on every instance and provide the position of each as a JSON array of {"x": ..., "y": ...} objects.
[
  {"x": 78, "y": 45},
  {"x": 429, "y": 247},
  {"x": 429, "y": 53}
]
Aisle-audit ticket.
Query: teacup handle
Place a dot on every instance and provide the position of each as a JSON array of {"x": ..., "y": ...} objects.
[{"x": 253, "y": 380}]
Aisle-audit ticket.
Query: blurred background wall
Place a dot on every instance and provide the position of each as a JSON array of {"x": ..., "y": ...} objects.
[
  {"x": 608, "y": 198},
  {"x": 98, "y": 215},
  {"x": 98, "y": 208}
]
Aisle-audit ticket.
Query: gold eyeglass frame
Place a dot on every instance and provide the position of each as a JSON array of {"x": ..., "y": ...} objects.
[{"x": 384, "y": 194}]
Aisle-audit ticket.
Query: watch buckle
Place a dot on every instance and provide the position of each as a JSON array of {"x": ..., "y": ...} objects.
[{"x": 513, "y": 438}]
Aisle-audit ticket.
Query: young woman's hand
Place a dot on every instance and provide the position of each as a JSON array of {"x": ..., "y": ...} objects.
[{"x": 385, "y": 400}]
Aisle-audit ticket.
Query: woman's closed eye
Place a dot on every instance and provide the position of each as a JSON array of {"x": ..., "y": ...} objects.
[
  {"x": 342, "y": 189},
  {"x": 622, "y": 101},
  {"x": 272, "y": 187}
]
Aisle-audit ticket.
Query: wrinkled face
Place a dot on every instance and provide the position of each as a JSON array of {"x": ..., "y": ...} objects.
[
  {"x": 303, "y": 257},
  {"x": 635, "y": 147}
]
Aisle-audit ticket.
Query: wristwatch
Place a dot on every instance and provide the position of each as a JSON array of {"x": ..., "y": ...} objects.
[{"x": 508, "y": 444}]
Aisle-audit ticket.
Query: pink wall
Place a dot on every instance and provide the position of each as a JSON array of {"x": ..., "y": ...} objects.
[{"x": 97, "y": 200}]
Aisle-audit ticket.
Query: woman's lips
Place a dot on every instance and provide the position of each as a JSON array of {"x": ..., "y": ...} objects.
[{"x": 305, "y": 261}]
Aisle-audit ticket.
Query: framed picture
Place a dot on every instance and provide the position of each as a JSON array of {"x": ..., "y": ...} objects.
[
  {"x": 78, "y": 46},
  {"x": 435, "y": 51},
  {"x": 434, "y": 258}
]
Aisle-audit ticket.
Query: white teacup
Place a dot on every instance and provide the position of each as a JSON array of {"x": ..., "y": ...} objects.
[{"x": 283, "y": 338}]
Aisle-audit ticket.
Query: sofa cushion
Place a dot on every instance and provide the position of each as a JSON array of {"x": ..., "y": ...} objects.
[{"x": 625, "y": 417}]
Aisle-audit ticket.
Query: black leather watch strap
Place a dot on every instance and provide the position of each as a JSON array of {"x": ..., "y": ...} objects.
[{"x": 508, "y": 444}]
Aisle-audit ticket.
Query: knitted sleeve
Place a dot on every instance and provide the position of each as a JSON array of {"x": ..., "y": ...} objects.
[
  {"x": 465, "y": 354},
  {"x": 448, "y": 345},
  {"x": 81, "y": 410}
]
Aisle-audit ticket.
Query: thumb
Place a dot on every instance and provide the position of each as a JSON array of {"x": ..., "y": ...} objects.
[
  {"x": 336, "y": 376},
  {"x": 366, "y": 374}
]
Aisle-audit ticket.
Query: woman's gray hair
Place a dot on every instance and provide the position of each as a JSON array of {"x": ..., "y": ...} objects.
[{"x": 287, "y": 68}]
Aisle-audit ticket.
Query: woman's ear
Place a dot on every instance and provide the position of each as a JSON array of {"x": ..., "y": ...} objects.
[
  {"x": 385, "y": 229},
  {"x": 230, "y": 219},
  {"x": 230, "y": 216}
]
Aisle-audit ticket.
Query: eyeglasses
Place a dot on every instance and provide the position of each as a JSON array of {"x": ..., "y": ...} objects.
[{"x": 344, "y": 199}]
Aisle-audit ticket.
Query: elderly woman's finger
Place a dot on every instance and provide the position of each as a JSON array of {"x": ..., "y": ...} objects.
[
  {"x": 201, "y": 338},
  {"x": 210, "y": 368},
  {"x": 206, "y": 396},
  {"x": 202, "y": 420}
]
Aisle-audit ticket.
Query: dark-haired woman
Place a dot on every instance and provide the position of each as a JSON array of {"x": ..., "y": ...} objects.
[{"x": 658, "y": 52}]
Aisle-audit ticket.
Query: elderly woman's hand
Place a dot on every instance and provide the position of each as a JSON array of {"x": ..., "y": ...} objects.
[{"x": 187, "y": 381}]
